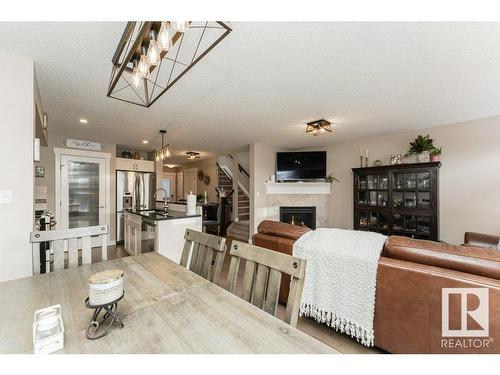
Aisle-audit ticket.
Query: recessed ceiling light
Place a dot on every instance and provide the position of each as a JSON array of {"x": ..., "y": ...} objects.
[
  {"x": 145, "y": 142},
  {"x": 83, "y": 120}
]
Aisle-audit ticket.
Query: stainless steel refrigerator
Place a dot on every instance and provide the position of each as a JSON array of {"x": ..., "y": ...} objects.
[{"x": 133, "y": 190}]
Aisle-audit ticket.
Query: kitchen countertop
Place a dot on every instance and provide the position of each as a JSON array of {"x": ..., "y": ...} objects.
[
  {"x": 184, "y": 203},
  {"x": 158, "y": 215}
]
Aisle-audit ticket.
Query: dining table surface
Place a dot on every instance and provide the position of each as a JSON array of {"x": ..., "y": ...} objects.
[{"x": 165, "y": 309}]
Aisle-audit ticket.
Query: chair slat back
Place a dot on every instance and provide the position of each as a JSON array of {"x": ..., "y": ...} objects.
[
  {"x": 203, "y": 254},
  {"x": 68, "y": 241},
  {"x": 262, "y": 278}
]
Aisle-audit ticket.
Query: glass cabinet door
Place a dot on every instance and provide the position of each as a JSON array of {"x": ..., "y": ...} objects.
[
  {"x": 363, "y": 220},
  {"x": 372, "y": 182},
  {"x": 362, "y": 183},
  {"x": 410, "y": 181}
]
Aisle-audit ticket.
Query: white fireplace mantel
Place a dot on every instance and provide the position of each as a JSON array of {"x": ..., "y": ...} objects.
[{"x": 297, "y": 188}]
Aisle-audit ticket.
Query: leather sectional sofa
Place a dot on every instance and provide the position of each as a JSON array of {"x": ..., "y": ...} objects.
[{"x": 410, "y": 280}]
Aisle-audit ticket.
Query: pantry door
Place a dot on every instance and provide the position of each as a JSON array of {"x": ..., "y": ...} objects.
[{"x": 82, "y": 193}]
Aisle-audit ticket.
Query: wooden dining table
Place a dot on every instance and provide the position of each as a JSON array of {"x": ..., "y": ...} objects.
[{"x": 166, "y": 309}]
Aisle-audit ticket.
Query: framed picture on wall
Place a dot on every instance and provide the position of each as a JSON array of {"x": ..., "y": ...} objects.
[{"x": 39, "y": 171}]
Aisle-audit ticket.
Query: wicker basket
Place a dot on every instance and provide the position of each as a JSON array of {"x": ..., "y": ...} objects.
[{"x": 105, "y": 287}]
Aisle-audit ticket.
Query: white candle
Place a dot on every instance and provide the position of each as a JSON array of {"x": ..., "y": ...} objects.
[
  {"x": 366, "y": 153},
  {"x": 361, "y": 152}
]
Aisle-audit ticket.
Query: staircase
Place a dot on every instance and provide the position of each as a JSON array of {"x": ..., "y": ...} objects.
[
  {"x": 243, "y": 206},
  {"x": 239, "y": 229},
  {"x": 224, "y": 182}
]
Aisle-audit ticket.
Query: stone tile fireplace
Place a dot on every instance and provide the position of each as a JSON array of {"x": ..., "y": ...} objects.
[{"x": 318, "y": 202}]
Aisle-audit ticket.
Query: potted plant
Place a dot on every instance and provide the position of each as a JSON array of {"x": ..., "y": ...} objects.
[
  {"x": 331, "y": 179},
  {"x": 435, "y": 152},
  {"x": 422, "y": 147}
]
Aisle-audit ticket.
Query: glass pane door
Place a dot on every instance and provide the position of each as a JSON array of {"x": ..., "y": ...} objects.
[{"x": 83, "y": 194}]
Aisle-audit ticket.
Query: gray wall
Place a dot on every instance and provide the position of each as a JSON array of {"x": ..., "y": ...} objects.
[{"x": 469, "y": 176}]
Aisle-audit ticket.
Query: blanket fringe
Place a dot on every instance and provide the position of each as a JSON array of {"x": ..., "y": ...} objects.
[{"x": 365, "y": 336}]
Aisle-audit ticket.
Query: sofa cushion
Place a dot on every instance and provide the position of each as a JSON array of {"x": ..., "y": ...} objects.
[
  {"x": 279, "y": 229},
  {"x": 474, "y": 260}
]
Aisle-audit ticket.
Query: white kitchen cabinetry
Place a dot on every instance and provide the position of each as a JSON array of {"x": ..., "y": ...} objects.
[
  {"x": 123, "y": 164},
  {"x": 132, "y": 234}
]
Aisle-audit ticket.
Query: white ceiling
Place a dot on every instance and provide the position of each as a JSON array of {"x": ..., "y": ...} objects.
[{"x": 265, "y": 80}]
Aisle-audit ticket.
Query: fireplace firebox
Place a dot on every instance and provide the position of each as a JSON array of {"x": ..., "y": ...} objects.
[{"x": 304, "y": 216}]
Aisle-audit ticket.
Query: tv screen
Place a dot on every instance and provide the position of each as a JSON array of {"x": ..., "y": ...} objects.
[{"x": 294, "y": 166}]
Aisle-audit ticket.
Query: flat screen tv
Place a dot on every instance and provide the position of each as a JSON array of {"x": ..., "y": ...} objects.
[{"x": 300, "y": 166}]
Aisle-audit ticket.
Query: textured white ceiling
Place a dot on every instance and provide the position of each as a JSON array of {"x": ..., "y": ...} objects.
[{"x": 265, "y": 80}]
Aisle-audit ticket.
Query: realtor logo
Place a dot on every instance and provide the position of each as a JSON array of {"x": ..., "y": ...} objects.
[{"x": 465, "y": 312}]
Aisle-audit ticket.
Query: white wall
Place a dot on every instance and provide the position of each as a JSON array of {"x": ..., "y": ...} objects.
[
  {"x": 469, "y": 175},
  {"x": 16, "y": 164},
  {"x": 262, "y": 165}
]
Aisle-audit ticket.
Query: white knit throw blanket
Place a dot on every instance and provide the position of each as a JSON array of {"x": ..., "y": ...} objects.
[{"x": 341, "y": 274}]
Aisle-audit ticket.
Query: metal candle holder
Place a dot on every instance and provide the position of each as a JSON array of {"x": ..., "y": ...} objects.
[{"x": 95, "y": 329}]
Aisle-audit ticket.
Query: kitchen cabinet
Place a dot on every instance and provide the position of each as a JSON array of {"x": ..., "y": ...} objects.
[
  {"x": 123, "y": 164},
  {"x": 132, "y": 234}
]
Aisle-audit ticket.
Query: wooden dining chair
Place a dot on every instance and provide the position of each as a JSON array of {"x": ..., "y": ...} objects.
[
  {"x": 262, "y": 278},
  {"x": 65, "y": 245},
  {"x": 203, "y": 254}
]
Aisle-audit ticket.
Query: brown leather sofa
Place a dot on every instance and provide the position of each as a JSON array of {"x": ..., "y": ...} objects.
[{"x": 410, "y": 279}]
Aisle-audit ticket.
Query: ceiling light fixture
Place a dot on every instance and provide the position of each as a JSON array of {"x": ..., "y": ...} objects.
[
  {"x": 83, "y": 121},
  {"x": 145, "y": 142},
  {"x": 152, "y": 56},
  {"x": 164, "y": 151},
  {"x": 191, "y": 155},
  {"x": 319, "y": 127}
]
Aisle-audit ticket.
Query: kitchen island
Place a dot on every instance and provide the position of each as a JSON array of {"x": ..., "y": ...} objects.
[{"x": 165, "y": 228}]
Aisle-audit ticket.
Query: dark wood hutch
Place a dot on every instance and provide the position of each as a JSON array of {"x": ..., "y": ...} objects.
[{"x": 400, "y": 199}]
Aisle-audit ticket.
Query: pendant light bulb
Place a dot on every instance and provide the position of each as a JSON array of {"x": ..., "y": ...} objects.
[
  {"x": 143, "y": 67},
  {"x": 164, "y": 36},
  {"x": 136, "y": 78},
  {"x": 181, "y": 26},
  {"x": 167, "y": 151},
  {"x": 154, "y": 51}
]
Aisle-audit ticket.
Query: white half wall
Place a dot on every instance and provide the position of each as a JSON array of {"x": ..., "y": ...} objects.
[
  {"x": 469, "y": 175},
  {"x": 16, "y": 164}
]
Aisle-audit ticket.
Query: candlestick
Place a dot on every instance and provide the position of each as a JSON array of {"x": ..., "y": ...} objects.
[
  {"x": 366, "y": 160},
  {"x": 361, "y": 161}
]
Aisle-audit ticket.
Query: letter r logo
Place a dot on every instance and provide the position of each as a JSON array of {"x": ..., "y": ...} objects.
[{"x": 465, "y": 312}]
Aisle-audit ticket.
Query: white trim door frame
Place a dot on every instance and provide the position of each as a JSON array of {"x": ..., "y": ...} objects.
[{"x": 63, "y": 157}]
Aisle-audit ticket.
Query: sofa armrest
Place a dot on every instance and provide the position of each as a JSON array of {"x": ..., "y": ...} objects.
[{"x": 481, "y": 240}]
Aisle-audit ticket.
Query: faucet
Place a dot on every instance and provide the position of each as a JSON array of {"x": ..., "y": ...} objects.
[{"x": 165, "y": 202}]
